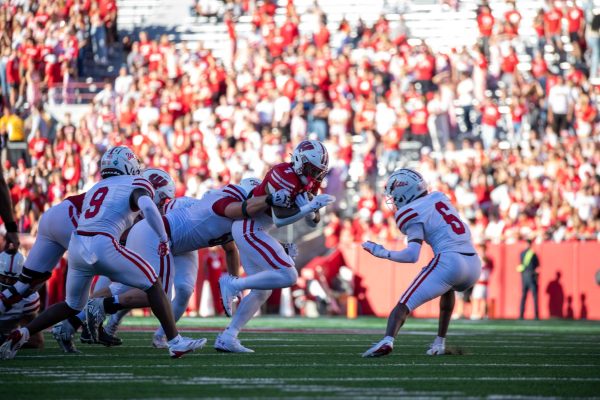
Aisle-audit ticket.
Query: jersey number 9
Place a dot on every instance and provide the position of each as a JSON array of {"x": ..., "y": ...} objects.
[{"x": 95, "y": 202}]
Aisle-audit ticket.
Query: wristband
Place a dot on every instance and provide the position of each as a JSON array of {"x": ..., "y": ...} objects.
[
  {"x": 11, "y": 227},
  {"x": 244, "y": 210},
  {"x": 268, "y": 200}
]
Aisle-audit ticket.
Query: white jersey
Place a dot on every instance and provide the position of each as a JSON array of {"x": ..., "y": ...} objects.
[
  {"x": 106, "y": 207},
  {"x": 201, "y": 223},
  {"x": 28, "y": 305},
  {"x": 444, "y": 230},
  {"x": 179, "y": 202}
]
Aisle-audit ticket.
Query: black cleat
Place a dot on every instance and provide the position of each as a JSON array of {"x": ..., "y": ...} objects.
[
  {"x": 107, "y": 339},
  {"x": 85, "y": 335}
]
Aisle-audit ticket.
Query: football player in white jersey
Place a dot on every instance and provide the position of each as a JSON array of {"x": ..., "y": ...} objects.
[
  {"x": 54, "y": 232},
  {"x": 109, "y": 208},
  {"x": 193, "y": 225},
  {"x": 266, "y": 263},
  {"x": 164, "y": 191},
  {"x": 429, "y": 217},
  {"x": 23, "y": 311}
]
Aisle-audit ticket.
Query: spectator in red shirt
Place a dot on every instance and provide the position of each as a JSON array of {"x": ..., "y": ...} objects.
[
  {"x": 512, "y": 21},
  {"x": 489, "y": 123},
  {"x": 485, "y": 23},
  {"x": 552, "y": 25}
]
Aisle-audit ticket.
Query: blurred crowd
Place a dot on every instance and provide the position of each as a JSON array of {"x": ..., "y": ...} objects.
[
  {"x": 507, "y": 127},
  {"x": 42, "y": 46}
]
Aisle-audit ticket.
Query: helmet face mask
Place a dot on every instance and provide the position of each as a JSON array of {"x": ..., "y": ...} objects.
[{"x": 403, "y": 187}]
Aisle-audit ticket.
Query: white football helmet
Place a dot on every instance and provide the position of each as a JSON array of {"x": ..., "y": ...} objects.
[
  {"x": 404, "y": 186},
  {"x": 163, "y": 184},
  {"x": 11, "y": 265},
  {"x": 119, "y": 160},
  {"x": 310, "y": 161},
  {"x": 248, "y": 184}
]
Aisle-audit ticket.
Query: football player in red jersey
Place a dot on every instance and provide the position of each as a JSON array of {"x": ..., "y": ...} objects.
[{"x": 265, "y": 261}]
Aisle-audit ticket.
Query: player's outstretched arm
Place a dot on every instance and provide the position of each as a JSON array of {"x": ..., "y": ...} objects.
[
  {"x": 232, "y": 258},
  {"x": 144, "y": 203},
  {"x": 287, "y": 216},
  {"x": 256, "y": 205},
  {"x": 409, "y": 255}
]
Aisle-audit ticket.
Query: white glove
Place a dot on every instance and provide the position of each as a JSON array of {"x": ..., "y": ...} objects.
[
  {"x": 291, "y": 249},
  {"x": 302, "y": 199},
  {"x": 321, "y": 201},
  {"x": 376, "y": 249},
  {"x": 281, "y": 198}
]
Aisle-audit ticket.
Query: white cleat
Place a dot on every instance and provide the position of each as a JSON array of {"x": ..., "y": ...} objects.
[
  {"x": 185, "y": 345},
  {"x": 94, "y": 315},
  {"x": 436, "y": 350},
  {"x": 63, "y": 334},
  {"x": 230, "y": 344},
  {"x": 383, "y": 348},
  {"x": 228, "y": 293},
  {"x": 160, "y": 342},
  {"x": 13, "y": 343}
]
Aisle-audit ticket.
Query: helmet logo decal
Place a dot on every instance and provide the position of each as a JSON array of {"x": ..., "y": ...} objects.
[
  {"x": 305, "y": 146},
  {"x": 158, "y": 181},
  {"x": 398, "y": 184}
]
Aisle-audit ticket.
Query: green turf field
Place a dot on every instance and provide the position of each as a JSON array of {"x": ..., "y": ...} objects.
[{"x": 320, "y": 358}]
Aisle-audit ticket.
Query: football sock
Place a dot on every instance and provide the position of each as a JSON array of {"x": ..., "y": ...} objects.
[
  {"x": 80, "y": 315},
  {"x": 440, "y": 340},
  {"x": 389, "y": 339},
  {"x": 115, "y": 320},
  {"x": 266, "y": 280},
  {"x": 179, "y": 304},
  {"x": 249, "y": 305},
  {"x": 111, "y": 305},
  {"x": 75, "y": 321}
]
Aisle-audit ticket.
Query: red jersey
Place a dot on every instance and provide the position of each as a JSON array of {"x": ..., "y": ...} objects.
[
  {"x": 281, "y": 176},
  {"x": 552, "y": 21},
  {"x": 485, "y": 22},
  {"x": 575, "y": 19}
]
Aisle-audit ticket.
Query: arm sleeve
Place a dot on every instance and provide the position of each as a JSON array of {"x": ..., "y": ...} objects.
[
  {"x": 411, "y": 253},
  {"x": 153, "y": 217},
  {"x": 219, "y": 206}
]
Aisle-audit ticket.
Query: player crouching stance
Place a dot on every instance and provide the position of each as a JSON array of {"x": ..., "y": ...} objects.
[
  {"x": 23, "y": 311},
  {"x": 109, "y": 208},
  {"x": 266, "y": 263},
  {"x": 428, "y": 217}
]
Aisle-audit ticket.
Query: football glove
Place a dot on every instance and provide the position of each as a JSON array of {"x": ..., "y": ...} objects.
[
  {"x": 163, "y": 249},
  {"x": 321, "y": 201},
  {"x": 376, "y": 249},
  {"x": 291, "y": 249},
  {"x": 281, "y": 198}
]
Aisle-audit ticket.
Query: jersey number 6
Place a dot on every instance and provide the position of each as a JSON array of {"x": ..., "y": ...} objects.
[
  {"x": 451, "y": 219},
  {"x": 95, "y": 202}
]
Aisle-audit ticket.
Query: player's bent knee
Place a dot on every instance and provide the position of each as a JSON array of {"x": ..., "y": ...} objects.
[
  {"x": 261, "y": 295},
  {"x": 183, "y": 293},
  {"x": 291, "y": 276}
]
